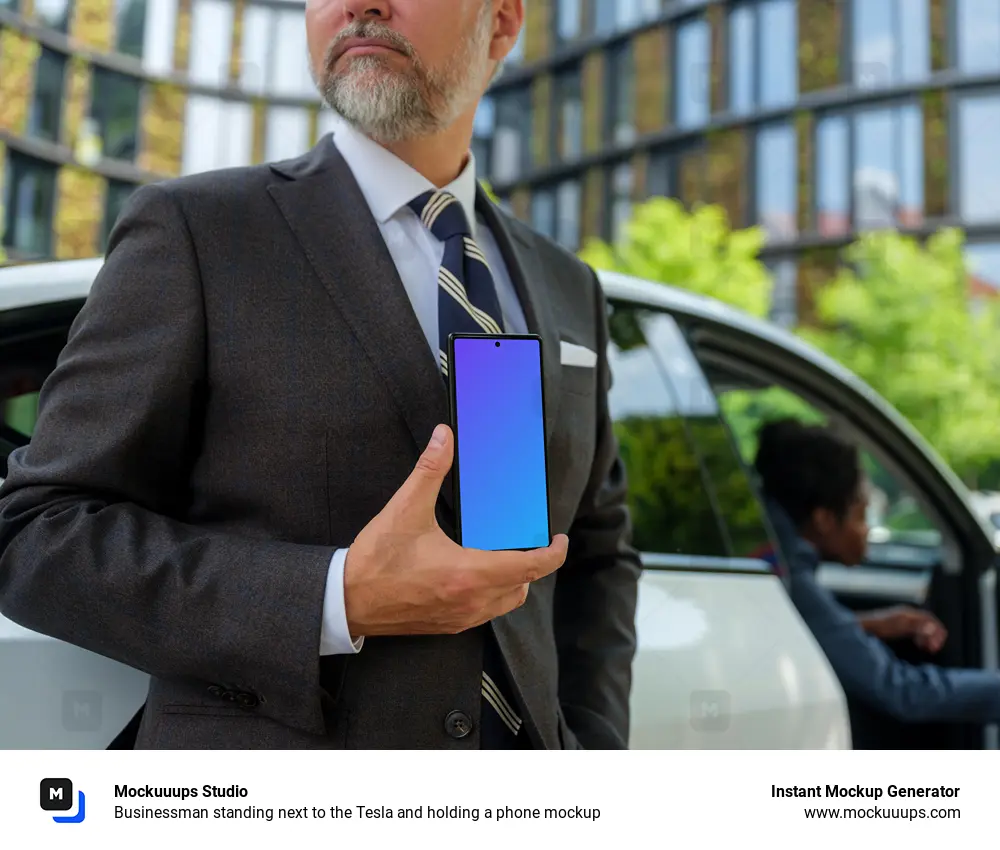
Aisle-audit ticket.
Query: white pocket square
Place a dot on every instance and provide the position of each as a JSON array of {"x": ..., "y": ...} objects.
[{"x": 571, "y": 354}]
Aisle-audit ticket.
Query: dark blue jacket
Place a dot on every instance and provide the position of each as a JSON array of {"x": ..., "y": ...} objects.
[{"x": 867, "y": 669}]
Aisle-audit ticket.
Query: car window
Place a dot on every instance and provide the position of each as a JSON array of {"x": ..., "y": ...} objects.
[
  {"x": 688, "y": 491},
  {"x": 901, "y": 534}
]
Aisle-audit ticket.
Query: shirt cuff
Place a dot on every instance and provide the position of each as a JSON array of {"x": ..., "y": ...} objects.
[{"x": 335, "y": 637}]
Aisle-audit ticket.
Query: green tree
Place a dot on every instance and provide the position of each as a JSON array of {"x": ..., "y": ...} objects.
[
  {"x": 898, "y": 315},
  {"x": 695, "y": 250}
]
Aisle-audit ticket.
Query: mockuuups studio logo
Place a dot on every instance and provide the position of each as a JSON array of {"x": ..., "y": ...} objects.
[{"x": 56, "y": 795}]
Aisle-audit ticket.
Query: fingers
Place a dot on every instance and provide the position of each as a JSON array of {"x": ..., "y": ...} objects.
[
  {"x": 510, "y": 568},
  {"x": 423, "y": 485}
]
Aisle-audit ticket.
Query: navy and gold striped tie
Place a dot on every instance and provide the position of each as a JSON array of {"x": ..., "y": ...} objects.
[{"x": 468, "y": 303}]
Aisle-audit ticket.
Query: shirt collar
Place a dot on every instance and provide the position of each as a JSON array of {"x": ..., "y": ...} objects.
[{"x": 389, "y": 184}]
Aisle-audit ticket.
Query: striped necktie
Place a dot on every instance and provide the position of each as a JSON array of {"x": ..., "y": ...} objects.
[{"x": 467, "y": 303}]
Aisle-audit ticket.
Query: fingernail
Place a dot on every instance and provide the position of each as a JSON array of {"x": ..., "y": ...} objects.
[{"x": 438, "y": 437}]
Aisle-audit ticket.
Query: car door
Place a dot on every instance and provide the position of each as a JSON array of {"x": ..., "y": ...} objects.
[
  {"x": 724, "y": 661},
  {"x": 52, "y": 695},
  {"x": 927, "y": 548}
]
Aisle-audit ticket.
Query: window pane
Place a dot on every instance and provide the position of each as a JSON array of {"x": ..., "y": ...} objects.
[
  {"x": 46, "y": 105},
  {"x": 161, "y": 24},
  {"x": 211, "y": 37},
  {"x": 622, "y": 190},
  {"x": 118, "y": 193},
  {"x": 978, "y": 164},
  {"x": 54, "y": 14},
  {"x": 669, "y": 500},
  {"x": 876, "y": 187},
  {"x": 543, "y": 212},
  {"x": 29, "y": 197},
  {"x": 255, "y": 48},
  {"x": 910, "y": 136},
  {"x": 217, "y": 134},
  {"x": 130, "y": 26},
  {"x": 833, "y": 176},
  {"x": 874, "y": 43},
  {"x": 115, "y": 106},
  {"x": 779, "y": 61},
  {"x": 742, "y": 82},
  {"x": 914, "y": 24},
  {"x": 569, "y": 115},
  {"x": 621, "y": 108},
  {"x": 978, "y": 35},
  {"x": 287, "y": 133},
  {"x": 512, "y": 137},
  {"x": 604, "y": 16},
  {"x": 777, "y": 181},
  {"x": 483, "y": 127},
  {"x": 568, "y": 215},
  {"x": 568, "y": 19},
  {"x": 659, "y": 178},
  {"x": 693, "y": 56},
  {"x": 289, "y": 72}
]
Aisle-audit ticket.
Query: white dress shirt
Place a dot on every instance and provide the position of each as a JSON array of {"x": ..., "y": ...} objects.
[{"x": 389, "y": 184}]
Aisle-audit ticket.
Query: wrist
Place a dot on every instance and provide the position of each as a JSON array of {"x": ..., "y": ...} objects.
[{"x": 353, "y": 607}]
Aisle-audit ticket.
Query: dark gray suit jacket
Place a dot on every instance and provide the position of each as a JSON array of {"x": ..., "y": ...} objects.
[{"x": 245, "y": 388}]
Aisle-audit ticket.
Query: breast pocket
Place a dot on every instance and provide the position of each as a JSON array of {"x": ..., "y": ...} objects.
[{"x": 578, "y": 380}]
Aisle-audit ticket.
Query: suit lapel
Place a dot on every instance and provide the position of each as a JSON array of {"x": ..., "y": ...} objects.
[
  {"x": 328, "y": 214},
  {"x": 528, "y": 275}
]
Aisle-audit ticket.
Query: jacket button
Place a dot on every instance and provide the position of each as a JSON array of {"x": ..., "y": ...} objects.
[
  {"x": 458, "y": 724},
  {"x": 215, "y": 691},
  {"x": 247, "y": 700}
]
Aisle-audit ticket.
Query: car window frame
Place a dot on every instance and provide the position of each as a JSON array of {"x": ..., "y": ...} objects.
[{"x": 730, "y": 563}]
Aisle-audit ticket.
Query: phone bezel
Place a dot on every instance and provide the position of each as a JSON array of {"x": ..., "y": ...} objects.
[{"x": 453, "y": 403}]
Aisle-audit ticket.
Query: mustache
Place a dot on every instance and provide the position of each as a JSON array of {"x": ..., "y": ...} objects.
[{"x": 367, "y": 30}]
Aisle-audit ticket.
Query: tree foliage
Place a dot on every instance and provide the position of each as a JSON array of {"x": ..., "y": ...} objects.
[
  {"x": 697, "y": 251},
  {"x": 898, "y": 314}
]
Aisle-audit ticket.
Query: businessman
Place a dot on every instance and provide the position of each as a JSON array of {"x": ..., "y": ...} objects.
[
  {"x": 817, "y": 495},
  {"x": 240, "y": 476}
]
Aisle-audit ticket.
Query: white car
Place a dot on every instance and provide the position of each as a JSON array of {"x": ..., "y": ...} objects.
[{"x": 724, "y": 660}]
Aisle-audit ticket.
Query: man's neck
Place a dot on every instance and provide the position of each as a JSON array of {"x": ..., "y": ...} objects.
[{"x": 439, "y": 158}]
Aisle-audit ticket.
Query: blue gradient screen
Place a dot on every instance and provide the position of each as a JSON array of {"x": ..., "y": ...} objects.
[{"x": 500, "y": 437}]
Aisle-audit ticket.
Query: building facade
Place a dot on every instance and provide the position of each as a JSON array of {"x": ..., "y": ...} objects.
[
  {"x": 100, "y": 96},
  {"x": 817, "y": 119}
]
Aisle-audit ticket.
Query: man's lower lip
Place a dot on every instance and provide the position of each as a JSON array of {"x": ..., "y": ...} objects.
[{"x": 367, "y": 49}]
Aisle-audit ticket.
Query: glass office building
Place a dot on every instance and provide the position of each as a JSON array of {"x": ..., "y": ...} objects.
[
  {"x": 100, "y": 96},
  {"x": 815, "y": 119}
]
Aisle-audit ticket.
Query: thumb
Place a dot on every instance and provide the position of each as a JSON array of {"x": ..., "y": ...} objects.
[{"x": 421, "y": 488}]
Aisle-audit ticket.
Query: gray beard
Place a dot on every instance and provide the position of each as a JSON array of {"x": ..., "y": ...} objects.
[
  {"x": 392, "y": 106},
  {"x": 384, "y": 104}
]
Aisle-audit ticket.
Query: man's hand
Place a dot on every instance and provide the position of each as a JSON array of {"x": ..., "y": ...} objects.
[
  {"x": 926, "y": 630},
  {"x": 405, "y": 576}
]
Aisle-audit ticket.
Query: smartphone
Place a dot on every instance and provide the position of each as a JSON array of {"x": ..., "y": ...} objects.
[{"x": 498, "y": 418}]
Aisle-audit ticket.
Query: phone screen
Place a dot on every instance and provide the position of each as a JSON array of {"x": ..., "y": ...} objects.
[{"x": 499, "y": 427}]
